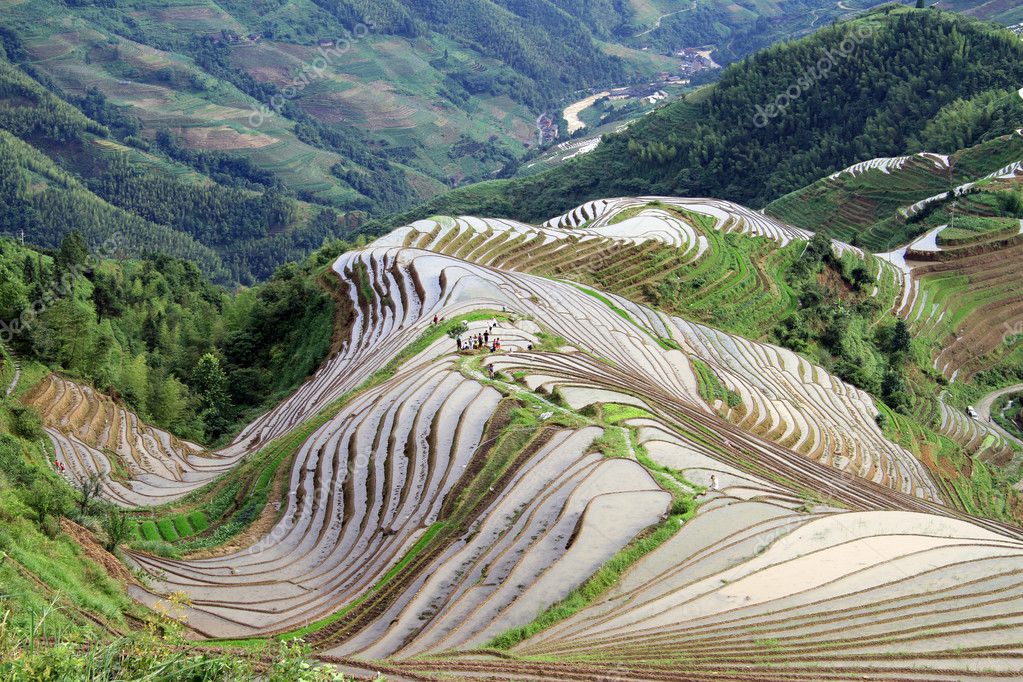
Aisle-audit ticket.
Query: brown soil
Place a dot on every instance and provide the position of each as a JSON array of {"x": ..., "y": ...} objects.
[
  {"x": 833, "y": 281},
  {"x": 945, "y": 469},
  {"x": 224, "y": 138},
  {"x": 344, "y": 314},
  {"x": 95, "y": 551},
  {"x": 184, "y": 13}
]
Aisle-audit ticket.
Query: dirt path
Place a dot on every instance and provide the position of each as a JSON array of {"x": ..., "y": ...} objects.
[
  {"x": 17, "y": 373},
  {"x": 657, "y": 24}
]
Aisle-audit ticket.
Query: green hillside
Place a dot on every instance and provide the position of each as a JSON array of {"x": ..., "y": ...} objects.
[
  {"x": 906, "y": 68},
  {"x": 864, "y": 207},
  {"x": 65, "y": 170},
  {"x": 736, "y": 29},
  {"x": 144, "y": 329},
  {"x": 276, "y": 122}
]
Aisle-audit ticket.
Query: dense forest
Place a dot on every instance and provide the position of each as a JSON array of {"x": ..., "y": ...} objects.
[
  {"x": 233, "y": 219},
  {"x": 155, "y": 332},
  {"x": 548, "y": 45},
  {"x": 736, "y": 29},
  {"x": 793, "y": 113}
]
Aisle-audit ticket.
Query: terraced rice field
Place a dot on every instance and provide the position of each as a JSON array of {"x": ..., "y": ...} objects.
[
  {"x": 138, "y": 464},
  {"x": 861, "y": 202},
  {"x": 570, "y": 501},
  {"x": 963, "y": 293},
  {"x": 958, "y": 286}
]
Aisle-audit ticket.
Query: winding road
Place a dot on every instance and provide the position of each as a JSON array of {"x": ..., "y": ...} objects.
[{"x": 983, "y": 408}]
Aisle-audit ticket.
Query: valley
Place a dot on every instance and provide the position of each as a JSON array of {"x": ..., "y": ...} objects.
[{"x": 325, "y": 354}]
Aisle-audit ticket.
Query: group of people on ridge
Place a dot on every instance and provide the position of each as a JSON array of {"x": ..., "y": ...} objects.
[{"x": 477, "y": 341}]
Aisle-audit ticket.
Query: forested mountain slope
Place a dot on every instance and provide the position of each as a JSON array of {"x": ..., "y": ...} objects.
[
  {"x": 237, "y": 135},
  {"x": 70, "y": 164},
  {"x": 905, "y": 69},
  {"x": 177, "y": 350},
  {"x": 173, "y": 123},
  {"x": 370, "y": 106}
]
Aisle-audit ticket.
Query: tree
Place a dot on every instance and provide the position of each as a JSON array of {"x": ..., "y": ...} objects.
[
  {"x": 921, "y": 4},
  {"x": 167, "y": 402},
  {"x": 816, "y": 253},
  {"x": 89, "y": 489},
  {"x": 27, "y": 422},
  {"x": 818, "y": 249},
  {"x": 62, "y": 333},
  {"x": 13, "y": 463},
  {"x": 13, "y": 294},
  {"x": 1011, "y": 202},
  {"x": 894, "y": 391},
  {"x": 134, "y": 379},
  {"x": 210, "y": 385},
  {"x": 107, "y": 296},
  {"x": 117, "y": 526},
  {"x": 43, "y": 499},
  {"x": 73, "y": 252},
  {"x": 901, "y": 339},
  {"x": 860, "y": 277}
]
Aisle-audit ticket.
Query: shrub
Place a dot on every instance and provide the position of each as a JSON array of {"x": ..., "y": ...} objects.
[
  {"x": 1011, "y": 202},
  {"x": 167, "y": 531},
  {"x": 12, "y": 462},
  {"x": 89, "y": 490},
  {"x": 894, "y": 391},
  {"x": 182, "y": 526},
  {"x": 44, "y": 499},
  {"x": 149, "y": 531},
  {"x": 117, "y": 527},
  {"x": 27, "y": 422}
]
